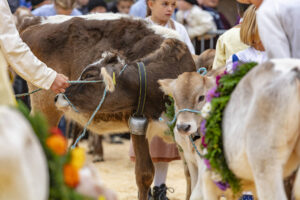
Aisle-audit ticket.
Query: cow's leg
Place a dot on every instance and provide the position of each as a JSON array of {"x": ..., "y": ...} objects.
[
  {"x": 197, "y": 190},
  {"x": 193, "y": 173},
  {"x": 98, "y": 148},
  {"x": 209, "y": 188},
  {"x": 267, "y": 172},
  {"x": 144, "y": 169},
  {"x": 296, "y": 189},
  {"x": 187, "y": 176}
]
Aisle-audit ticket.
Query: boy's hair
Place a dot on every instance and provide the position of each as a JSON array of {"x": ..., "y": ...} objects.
[
  {"x": 249, "y": 29},
  {"x": 241, "y": 8},
  {"x": 131, "y": 1},
  {"x": 65, "y": 4}
]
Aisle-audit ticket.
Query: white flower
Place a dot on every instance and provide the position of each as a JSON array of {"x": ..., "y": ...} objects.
[
  {"x": 223, "y": 198},
  {"x": 207, "y": 107},
  {"x": 204, "y": 114},
  {"x": 216, "y": 177}
]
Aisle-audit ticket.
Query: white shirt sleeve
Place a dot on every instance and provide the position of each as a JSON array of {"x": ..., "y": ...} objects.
[
  {"x": 18, "y": 54},
  {"x": 271, "y": 30},
  {"x": 185, "y": 37}
]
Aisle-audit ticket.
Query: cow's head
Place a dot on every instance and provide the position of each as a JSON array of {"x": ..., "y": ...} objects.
[
  {"x": 188, "y": 91},
  {"x": 86, "y": 96}
]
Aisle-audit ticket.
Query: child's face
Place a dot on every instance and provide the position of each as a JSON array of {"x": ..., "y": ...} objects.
[
  {"x": 98, "y": 9},
  {"x": 183, "y": 5},
  {"x": 124, "y": 6},
  {"x": 162, "y": 10},
  {"x": 62, "y": 11}
]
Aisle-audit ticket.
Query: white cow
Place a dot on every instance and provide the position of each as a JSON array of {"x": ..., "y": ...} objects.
[{"x": 261, "y": 127}]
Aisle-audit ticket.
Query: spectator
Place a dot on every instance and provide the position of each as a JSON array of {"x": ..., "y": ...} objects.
[
  {"x": 139, "y": 9},
  {"x": 82, "y": 6},
  {"x": 124, "y": 6},
  {"x": 59, "y": 7},
  {"x": 97, "y": 6},
  {"x": 230, "y": 42},
  {"x": 196, "y": 21},
  {"x": 38, "y": 3},
  {"x": 18, "y": 55},
  {"x": 250, "y": 36},
  {"x": 211, "y": 6}
]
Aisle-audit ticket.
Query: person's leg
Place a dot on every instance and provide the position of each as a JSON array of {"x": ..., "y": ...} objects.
[{"x": 161, "y": 171}]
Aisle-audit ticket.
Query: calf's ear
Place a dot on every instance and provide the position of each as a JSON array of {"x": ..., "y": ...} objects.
[
  {"x": 108, "y": 80},
  {"x": 167, "y": 86}
]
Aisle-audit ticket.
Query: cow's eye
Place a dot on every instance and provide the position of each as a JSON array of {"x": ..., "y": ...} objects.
[
  {"x": 88, "y": 76},
  {"x": 201, "y": 98}
]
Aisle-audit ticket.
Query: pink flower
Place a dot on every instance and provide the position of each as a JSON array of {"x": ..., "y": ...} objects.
[
  {"x": 203, "y": 142},
  {"x": 207, "y": 164},
  {"x": 202, "y": 127}
]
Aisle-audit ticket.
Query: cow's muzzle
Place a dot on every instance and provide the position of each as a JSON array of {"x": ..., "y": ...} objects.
[{"x": 60, "y": 101}]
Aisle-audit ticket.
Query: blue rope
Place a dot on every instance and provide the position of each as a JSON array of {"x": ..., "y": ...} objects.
[
  {"x": 183, "y": 110},
  {"x": 90, "y": 120},
  {"x": 123, "y": 69},
  {"x": 193, "y": 143},
  {"x": 28, "y": 93},
  {"x": 202, "y": 71},
  {"x": 74, "y": 108},
  {"x": 71, "y": 82}
]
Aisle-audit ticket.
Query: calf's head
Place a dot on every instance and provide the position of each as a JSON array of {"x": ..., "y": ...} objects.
[
  {"x": 86, "y": 96},
  {"x": 188, "y": 92}
]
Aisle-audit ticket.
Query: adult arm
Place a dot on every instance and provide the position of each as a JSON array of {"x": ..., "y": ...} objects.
[
  {"x": 271, "y": 31},
  {"x": 21, "y": 59}
]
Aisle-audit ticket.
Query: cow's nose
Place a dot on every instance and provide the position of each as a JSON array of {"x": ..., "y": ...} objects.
[
  {"x": 183, "y": 127},
  {"x": 55, "y": 99}
]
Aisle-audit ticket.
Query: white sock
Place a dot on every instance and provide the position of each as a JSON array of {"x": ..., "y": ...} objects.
[{"x": 161, "y": 171}]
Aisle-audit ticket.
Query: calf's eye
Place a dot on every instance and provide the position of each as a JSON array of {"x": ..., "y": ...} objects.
[{"x": 201, "y": 98}]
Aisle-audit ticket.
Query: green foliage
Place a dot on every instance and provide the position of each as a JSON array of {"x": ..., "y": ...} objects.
[
  {"x": 213, "y": 136},
  {"x": 58, "y": 189},
  {"x": 170, "y": 113}
]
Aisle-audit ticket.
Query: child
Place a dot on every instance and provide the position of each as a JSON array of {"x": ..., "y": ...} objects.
[
  {"x": 230, "y": 42},
  {"x": 160, "y": 12},
  {"x": 124, "y": 6},
  {"x": 250, "y": 36},
  {"x": 97, "y": 6},
  {"x": 58, "y": 7},
  {"x": 196, "y": 21}
]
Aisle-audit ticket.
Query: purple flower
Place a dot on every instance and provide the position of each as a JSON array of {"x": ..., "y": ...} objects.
[
  {"x": 206, "y": 162},
  {"x": 211, "y": 94},
  {"x": 203, "y": 141},
  {"x": 222, "y": 186},
  {"x": 218, "y": 79},
  {"x": 234, "y": 66},
  {"x": 202, "y": 127}
]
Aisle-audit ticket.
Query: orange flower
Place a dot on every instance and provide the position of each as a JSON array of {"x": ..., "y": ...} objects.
[
  {"x": 58, "y": 144},
  {"x": 71, "y": 175}
]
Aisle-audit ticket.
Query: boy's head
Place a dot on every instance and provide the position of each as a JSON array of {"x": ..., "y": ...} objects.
[
  {"x": 97, "y": 6},
  {"x": 186, "y": 4},
  {"x": 124, "y": 6},
  {"x": 241, "y": 8},
  {"x": 249, "y": 29},
  {"x": 64, "y": 7}
]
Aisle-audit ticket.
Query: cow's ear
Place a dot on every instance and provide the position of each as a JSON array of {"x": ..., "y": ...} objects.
[
  {"x": 167, "y": 86},
  {"x": 108, "y": 80}
]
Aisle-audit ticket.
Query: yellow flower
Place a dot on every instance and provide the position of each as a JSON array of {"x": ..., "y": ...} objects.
[
  {"x": 71, "y": 175},
  {"x": 101, "y": 198},
  {"x": 77, "y": 157},
  {"x": 58, "y": 144}
]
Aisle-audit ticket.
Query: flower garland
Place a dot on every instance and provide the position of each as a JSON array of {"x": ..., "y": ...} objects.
[
  {"x": 211, "y": 128},
  {"x": 63, "y": 165}
]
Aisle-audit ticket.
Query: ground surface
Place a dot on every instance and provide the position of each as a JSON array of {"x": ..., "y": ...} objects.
[{"x": 117, "y": 172}]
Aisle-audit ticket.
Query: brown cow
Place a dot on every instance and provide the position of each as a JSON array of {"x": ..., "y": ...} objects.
[{"x": 92, "y": 48}]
